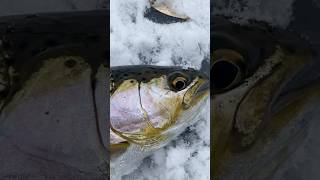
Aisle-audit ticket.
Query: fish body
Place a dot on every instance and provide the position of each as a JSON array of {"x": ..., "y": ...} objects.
[{"x": 150, "y": 106}]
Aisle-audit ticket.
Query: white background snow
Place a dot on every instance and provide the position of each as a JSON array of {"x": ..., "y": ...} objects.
[{"x": 136, "y": 40}]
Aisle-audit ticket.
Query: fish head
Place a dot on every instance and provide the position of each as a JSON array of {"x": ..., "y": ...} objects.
[
  {"x": 148, "y": 103},
  {"x": 254, "y": 73}
]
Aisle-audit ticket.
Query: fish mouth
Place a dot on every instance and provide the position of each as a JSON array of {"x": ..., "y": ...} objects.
[
  {"x": 203, "y": 88},
  {"x": 196, "y": 93}
]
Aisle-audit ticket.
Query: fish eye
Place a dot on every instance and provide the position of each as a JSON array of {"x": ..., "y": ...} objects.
[
  {"x": 227, "y": 69},
  {"x": 178, "y": 81}
]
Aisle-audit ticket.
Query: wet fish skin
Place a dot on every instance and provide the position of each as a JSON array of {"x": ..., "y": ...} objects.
[
  {"x": 159, "y": 79},
  {"x": 146, "y": 112},
  {"x": 259, "y": 121},
  {"x": 35, "y": 45}
]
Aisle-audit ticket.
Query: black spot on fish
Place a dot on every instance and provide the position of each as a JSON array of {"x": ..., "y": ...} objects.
[
  {"x": 145, "y": 73},
  {"x": 70, "y": 63}
]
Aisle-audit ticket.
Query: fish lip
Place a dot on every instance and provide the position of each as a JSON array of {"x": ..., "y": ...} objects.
[{"x": 204, "y": 87}]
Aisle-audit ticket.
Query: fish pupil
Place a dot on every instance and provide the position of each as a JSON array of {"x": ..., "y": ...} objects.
[
  {"x": 180, "y": 85},
  {"x": 223, "y": 74}
]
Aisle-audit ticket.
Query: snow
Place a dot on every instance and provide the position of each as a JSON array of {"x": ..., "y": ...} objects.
[
  {"x": 278, "y": 13},
  {"x": 136, "y": 40}
]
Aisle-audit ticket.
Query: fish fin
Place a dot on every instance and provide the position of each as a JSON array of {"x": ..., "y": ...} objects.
[{"x": 163, "y": 14}]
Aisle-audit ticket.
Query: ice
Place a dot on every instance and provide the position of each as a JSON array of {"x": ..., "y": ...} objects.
[{"x": 136, "y": 40}]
